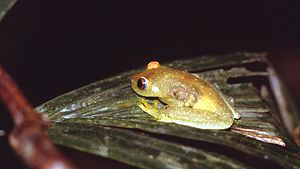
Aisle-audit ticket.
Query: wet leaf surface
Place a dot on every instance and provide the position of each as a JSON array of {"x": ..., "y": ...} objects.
[
  {"x": 102, "y": 118},
  {"x": 5, "y": 6}
]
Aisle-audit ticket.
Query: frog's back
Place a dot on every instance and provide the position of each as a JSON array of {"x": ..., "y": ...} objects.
[{"x": 207, "y": 96}]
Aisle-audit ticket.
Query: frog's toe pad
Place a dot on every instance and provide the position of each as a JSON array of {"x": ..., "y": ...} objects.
[{"x": 141, "y": 105}]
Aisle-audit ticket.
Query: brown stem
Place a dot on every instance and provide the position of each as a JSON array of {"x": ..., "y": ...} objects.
[{"x": 29, "y": 137}]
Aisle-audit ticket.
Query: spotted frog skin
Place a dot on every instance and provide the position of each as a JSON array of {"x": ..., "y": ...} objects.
[{"x": 189, "y": 99}]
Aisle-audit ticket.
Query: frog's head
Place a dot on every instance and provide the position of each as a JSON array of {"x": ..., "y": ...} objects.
[{"x": 144, "y": 83}]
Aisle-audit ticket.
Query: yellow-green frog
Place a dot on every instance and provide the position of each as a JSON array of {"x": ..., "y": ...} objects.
[{"x": 189, "y": 99}]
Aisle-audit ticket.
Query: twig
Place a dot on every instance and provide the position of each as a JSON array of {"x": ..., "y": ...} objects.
[{"x": 29, "y": 137}]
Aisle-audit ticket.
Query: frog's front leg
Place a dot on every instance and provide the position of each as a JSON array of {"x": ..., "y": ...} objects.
[{"x": 154, "y": 111}]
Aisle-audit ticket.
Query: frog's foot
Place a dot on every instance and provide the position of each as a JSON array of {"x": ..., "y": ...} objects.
[
  {"x": 231, "y": 101},
  {"x": 152, "y": 110},
  {"x": 236, "y": 115}
]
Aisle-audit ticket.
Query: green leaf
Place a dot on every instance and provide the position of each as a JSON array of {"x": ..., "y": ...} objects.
[
  {"x": 5, "y": 6},
  {"x": 102, "y": 118}
]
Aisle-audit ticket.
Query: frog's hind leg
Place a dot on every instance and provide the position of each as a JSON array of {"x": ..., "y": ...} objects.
[
  {"x": 231, "y": 104},
  {"x": 199, "y": 118}
]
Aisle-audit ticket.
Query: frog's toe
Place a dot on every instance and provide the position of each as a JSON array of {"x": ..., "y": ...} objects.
[
  {"x": 144, "y": 105},
  {"x": 143, "y": 101},
  {"x": 236, "y": 115},
  {"x": 141, "y": 105}
]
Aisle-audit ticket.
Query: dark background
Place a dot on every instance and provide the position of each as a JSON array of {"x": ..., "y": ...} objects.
[{"x": 51, "y": 47}]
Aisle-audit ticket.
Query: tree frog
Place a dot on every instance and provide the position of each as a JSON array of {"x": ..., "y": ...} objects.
[{"x": 188, "y": 99}]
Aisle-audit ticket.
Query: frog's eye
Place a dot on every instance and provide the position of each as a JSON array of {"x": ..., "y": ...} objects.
[{"x": 142, "y": 83}]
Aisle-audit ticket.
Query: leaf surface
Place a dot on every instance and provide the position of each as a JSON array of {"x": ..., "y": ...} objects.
[{"x": 102, "y": 118}]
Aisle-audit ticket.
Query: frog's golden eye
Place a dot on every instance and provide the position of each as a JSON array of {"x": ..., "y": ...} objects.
[{"x": 142, "y": 83}]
